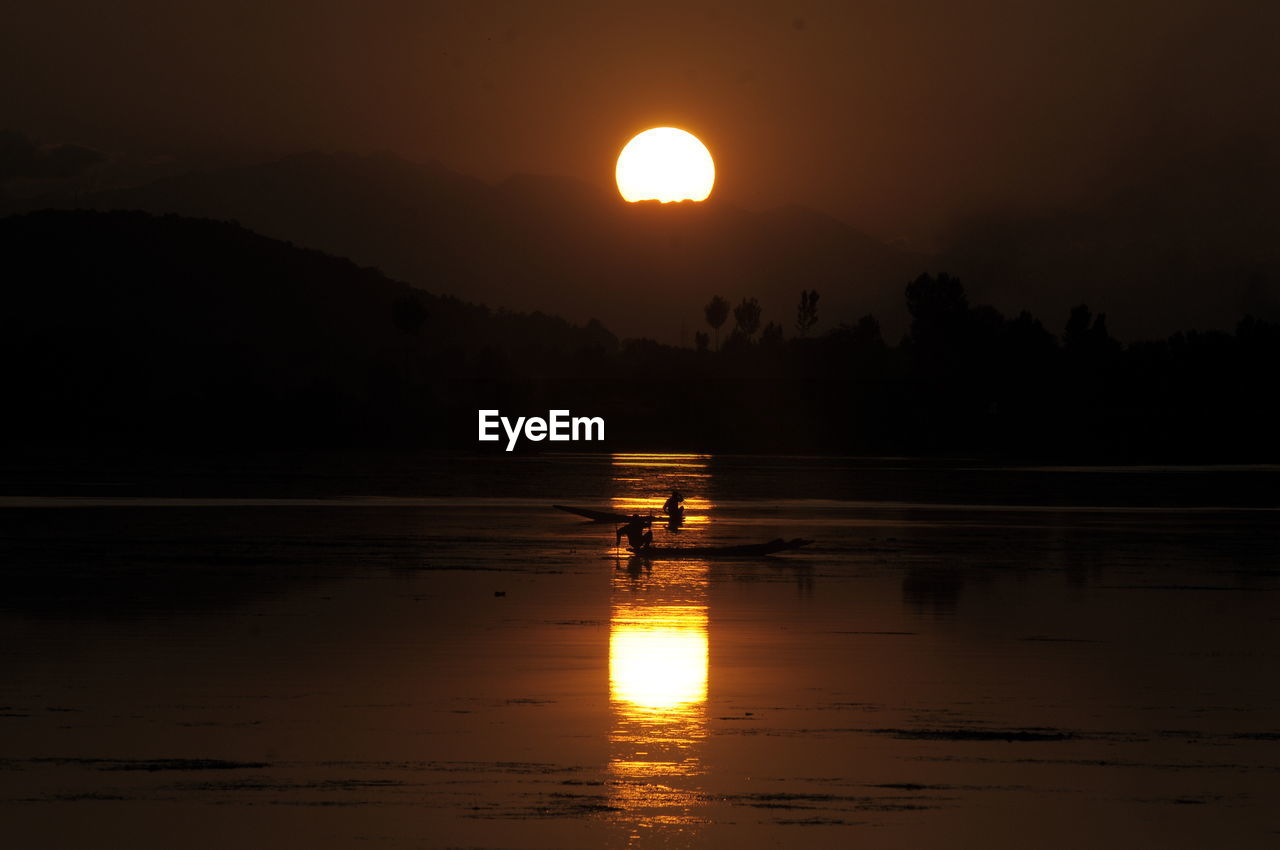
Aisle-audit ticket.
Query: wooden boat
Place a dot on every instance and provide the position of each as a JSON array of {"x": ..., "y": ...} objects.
[
  {"x": 593, "y": 514},
  {"x": 750, "y": 550},
  {"x": 610, "y": 516}
]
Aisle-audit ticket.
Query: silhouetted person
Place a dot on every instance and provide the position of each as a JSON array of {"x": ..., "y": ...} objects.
[
  {"x": 675, "y": 513},
  {"x": 638, "y": 532}
]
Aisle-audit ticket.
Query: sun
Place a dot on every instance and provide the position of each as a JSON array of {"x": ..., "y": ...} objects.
[{"x": 665, "y": 164}]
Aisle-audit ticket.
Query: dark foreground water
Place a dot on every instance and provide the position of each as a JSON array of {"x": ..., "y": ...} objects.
[{"x": 358, "y": 656}]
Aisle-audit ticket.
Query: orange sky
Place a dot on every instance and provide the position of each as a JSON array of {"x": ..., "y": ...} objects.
[{"x": 897, "y": 116}]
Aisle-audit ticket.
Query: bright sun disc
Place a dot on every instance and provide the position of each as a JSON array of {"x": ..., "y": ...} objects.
[{"x": 665, "y": 164}]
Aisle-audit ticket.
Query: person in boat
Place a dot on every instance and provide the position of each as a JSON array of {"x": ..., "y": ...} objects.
[
  {"x": 638, "y": 532},
  {"x": 671, "y": 507}
]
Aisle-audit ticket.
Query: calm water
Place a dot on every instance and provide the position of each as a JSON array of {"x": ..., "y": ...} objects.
[{"x": 968, "y": 656}]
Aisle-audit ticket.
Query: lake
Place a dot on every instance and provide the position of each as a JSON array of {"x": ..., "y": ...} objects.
[{"x": 420, "y": 652}]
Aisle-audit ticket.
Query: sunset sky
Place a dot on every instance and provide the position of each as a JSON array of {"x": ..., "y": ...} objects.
[
  {"x": 640, "y": 425},
  {"x": 897, "y": 116}
]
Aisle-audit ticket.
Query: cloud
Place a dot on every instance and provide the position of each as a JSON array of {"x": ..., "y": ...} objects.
[{"x": 22, "y": 157}]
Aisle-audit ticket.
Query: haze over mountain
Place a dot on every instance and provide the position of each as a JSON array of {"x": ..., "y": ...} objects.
[
  {"x": 1195, "y": 248},
  {"x": 540, "y": 243},
  {"x": 1194, "y": 245},
  {"x": 1049, "y": 153}
]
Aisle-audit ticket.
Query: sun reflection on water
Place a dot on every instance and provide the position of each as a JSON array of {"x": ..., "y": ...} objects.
[
  {"x": 658, "y": 657},
  {"x": 642, "y": 483},
  {"x": 659, "y": 662}
]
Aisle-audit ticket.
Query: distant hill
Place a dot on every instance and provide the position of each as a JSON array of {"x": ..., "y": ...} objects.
[
  {"x": 1191, "y": 245},
  {"x": 198, "y": 336},
  {"x": 167, "y": 327},
  {"x": 550, "y": 244},
  {"x": 1195, "y": 244}
]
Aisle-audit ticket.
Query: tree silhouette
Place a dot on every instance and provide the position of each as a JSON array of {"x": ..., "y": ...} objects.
[
  {"x": 866, "y": 333},
  {"x": 747, "y": 316},
  {"x": 771, "y": 336},
  {"x": 717, "y": 311},
  {"x": 807, "y": 311},
  {"x": 1086, "y": 331},
  {"x": 935, "y": 301},
  {"x": 409, "y": 314},
  {"x": 941, "y": 323}
]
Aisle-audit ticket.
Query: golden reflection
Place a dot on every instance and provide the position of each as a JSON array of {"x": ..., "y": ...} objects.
[
  {"x": 643, "y": 481},
  {"x": 695, "y": 509},
  {"x": 659, "y": 661},
  {"x": 658, "y": 657}
]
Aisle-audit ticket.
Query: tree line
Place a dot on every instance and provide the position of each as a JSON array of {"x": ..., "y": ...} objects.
[
  {"x": 967, "y": 379},
  {"x": 746, "y": 319},
  {"x": 162, "y": 331}
]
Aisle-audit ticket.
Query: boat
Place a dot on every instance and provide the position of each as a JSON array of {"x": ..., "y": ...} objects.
[
  {"x": 749, "y": 550},
  {"x": 593, "y": 514},
  {"x": 610, "y": 516}
]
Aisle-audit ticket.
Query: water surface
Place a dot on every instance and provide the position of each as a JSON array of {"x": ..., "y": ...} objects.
[{"x": 422, "y": 653}]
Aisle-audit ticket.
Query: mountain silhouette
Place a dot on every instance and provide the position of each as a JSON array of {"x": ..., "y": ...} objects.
[
  {"x": 1192, "y": 243},
  {"x": 1187, "y": 242},
  {"x": 170, "y": 333},
  {"x": 167, "y": 328},
  {"x": 540, "y": 243}
]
